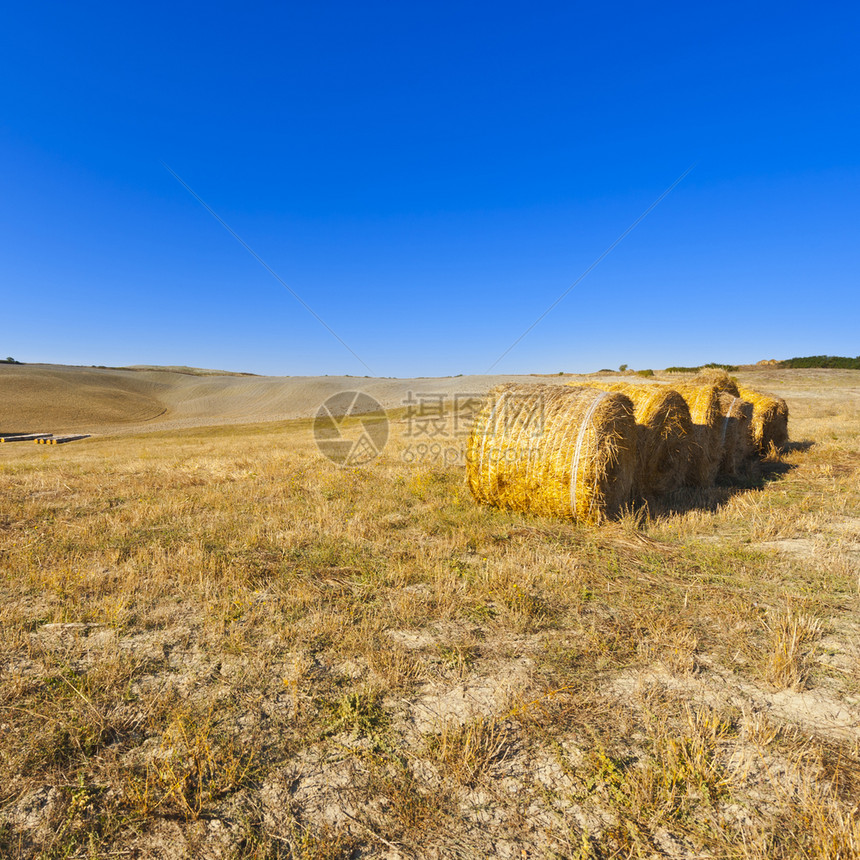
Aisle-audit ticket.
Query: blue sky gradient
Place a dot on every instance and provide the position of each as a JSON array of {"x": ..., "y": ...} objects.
[{"x": 429, "y": 177}]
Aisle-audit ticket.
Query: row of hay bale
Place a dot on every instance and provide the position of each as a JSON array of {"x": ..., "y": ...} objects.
[
  {"x": 42, "y": 438},
  {"x": 584, "y": 452},
  {"x": 61, "y": 440}
]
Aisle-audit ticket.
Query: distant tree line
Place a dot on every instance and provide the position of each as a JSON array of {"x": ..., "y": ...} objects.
[
  {"x": 839, "y": 361},
  {"x": 729, "y": 368}
]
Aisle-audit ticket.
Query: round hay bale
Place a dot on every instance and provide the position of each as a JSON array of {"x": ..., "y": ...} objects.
[
  {"x": 704, "y": 404},
  {"x": 553, "y": 450},
  {"x": 719, "y": 379},
  {"x": 664, "y": 436},
  {"x": 736, "y": 437},
  {"x": 769, "y": 421}
]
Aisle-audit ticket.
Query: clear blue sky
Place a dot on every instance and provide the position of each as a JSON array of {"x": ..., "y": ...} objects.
[{"x": 429, "y": 178}]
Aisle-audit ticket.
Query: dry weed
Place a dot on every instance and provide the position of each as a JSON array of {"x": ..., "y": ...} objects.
[
  {"x": 790, "y": 638},
  {"x": 465, "y": 752},
  {"x": 194, "y": 765}
]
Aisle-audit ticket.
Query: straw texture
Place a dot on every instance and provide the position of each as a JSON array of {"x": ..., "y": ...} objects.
[
  {"x": 736, "y": 439},
  {"x": 553, "y": 450},
  {"x": 664, "y": 436},
  {"x": 704, "y": 404},
  {"x": 769, "y": 421},
  {"x": 717, "y": 378}
]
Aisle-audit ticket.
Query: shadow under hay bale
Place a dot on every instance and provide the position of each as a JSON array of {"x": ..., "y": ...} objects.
[
  {"x": 553, "y": 450},
  {"x": 664, "y": 436},
  {"x": 736, "y": 439},
  {"x": 769, "y": 421}
]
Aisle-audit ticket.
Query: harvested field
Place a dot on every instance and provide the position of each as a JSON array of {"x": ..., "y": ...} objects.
[
  {"x": 216, "y": 643},
  {"x": 37, "y": 397},
  {"x": 54, "y": 399}
]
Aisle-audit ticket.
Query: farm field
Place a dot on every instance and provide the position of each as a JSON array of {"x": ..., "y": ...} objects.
[
  {"x": 39, "y": 398},
  {"x": 218, "y": 644}
]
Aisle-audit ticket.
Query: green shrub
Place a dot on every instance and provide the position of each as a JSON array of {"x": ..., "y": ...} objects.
[
  {"x": 834, "y": 361},
  {"x": 729, "y": 368}
]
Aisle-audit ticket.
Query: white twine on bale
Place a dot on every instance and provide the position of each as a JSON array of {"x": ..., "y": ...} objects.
[
  {"x": 726, "y": 421},
  {"x": 574, "y": 474}
]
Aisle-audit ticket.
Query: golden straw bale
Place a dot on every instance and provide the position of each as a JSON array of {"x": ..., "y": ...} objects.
[
  {"x": 553, "y": 450},
  {"x": 770, "y": 419},
  {"x": 718, "y": 378},
  {"x": 664, "y": 436},
  {"x": 736, "y": 435},
  {"x": 704, "y": 404}
]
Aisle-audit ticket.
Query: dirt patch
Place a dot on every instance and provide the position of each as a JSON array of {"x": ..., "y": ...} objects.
[{"x": 800, "y": 547}]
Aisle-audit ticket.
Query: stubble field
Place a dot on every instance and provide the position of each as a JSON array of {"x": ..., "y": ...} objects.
[{"x": 216, "y": 643}]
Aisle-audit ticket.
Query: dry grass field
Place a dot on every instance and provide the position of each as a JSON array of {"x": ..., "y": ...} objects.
[{"x": 214, "y": 643}]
